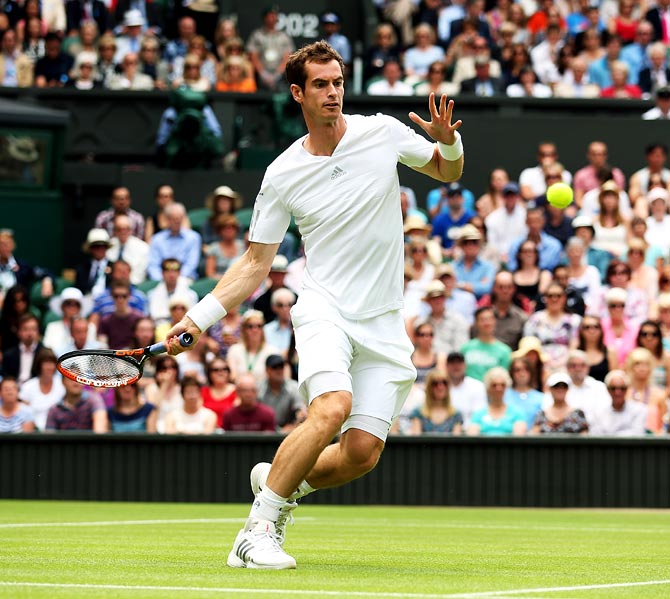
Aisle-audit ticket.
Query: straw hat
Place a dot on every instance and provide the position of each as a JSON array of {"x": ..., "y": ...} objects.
[{"x": 529, "y": 344}]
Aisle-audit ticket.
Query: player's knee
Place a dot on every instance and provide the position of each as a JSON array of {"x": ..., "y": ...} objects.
[
  {"x": 330, "y": 411},
  {"x": 363, "y": 454}
]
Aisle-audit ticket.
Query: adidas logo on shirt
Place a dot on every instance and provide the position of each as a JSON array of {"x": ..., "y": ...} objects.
[{"x": 337, "y": 172}]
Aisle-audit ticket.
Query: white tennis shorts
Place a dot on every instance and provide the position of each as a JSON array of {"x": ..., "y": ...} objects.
[{"x": 370, "y": 358}]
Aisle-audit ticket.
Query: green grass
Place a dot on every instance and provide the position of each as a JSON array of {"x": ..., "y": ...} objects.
[{"x": 370, "y": 552}]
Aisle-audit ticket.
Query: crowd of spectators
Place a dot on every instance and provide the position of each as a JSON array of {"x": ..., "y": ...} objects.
[
  {"x": 530, "y": 48},
  {"x": 525, "y": 319}
]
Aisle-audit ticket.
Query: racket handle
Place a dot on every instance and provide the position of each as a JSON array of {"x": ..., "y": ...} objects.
[{"x": 185, "y": 340}]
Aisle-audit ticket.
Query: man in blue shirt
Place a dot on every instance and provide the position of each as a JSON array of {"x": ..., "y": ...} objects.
[
  {"x": 454, "y": 216},
  {"x": 472, "y": 273},
  {"x": 331, "y": 27},
  {"x": 599, "y": 71},
  {"x": 635, "y": 54},
  {"x": 548, "y": 247},
  {"x": 175, "y": 242}
]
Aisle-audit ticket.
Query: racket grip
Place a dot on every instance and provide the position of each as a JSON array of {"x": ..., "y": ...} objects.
[{"x": 185, "y": 340}]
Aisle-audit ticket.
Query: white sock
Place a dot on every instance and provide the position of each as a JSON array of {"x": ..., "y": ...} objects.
[
  {"x": 304, "y": 488},
  {"x": 266, "y": 506}
]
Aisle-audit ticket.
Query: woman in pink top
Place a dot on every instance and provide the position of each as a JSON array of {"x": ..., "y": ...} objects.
[{"x": 618, "y": 332}]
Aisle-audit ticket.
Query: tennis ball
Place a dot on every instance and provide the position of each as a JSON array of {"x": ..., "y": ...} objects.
[{"x": 559, "y": 195}]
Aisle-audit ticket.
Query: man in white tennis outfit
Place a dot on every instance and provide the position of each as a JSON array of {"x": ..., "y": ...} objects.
[{"x": 341, "y": 185}]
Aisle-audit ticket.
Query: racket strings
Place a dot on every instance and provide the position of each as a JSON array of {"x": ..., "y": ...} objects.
[{"x": 101, "y": 368}]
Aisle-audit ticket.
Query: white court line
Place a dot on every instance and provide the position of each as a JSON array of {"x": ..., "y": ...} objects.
[
  {"x": 479, "y": 595},
  {"x": 577, "y": 528},
  {"x": 134, "y": 522},
  {"x": 310, "y": 519}
]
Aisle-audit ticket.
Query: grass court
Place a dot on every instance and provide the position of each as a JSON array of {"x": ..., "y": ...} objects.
[{"x": 131, "y": 550}]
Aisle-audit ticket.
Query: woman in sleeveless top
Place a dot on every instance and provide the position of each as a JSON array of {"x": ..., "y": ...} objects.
[
  {"x": 649, "y": 337},
  {"x": 436, "y": 415},
  {"x": 220, "y": 394},
  {"x": 529, "y": 279},
  {"x": 424, "y": 357},
  {"x": 165, "y": 393},
  {"x": 639, "y": 366},
  {"x": 192, "y": 418}
]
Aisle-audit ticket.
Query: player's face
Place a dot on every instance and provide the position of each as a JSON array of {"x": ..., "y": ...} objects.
[{"x": 324, "y": 91}]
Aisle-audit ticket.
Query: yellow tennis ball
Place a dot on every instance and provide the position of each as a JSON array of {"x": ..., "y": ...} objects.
[{"x": 559, "y": 195}]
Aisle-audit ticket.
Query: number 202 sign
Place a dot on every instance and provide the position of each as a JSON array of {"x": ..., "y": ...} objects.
[{"x": 299, "y": 25}]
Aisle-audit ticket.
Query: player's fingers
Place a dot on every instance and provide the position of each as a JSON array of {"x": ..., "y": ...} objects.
[
  {"x": 443, "y": 106},
  {"x": 415, "y": 118},
  {"x": 431, "y": 106},
  {"x": 450, "y": 110}
]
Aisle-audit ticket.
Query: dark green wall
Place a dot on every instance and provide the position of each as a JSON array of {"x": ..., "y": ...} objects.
[{"x": 546, "y": 471}]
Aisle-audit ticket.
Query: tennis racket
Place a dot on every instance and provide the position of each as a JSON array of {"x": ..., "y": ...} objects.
[{"x": 111, "y": 367}]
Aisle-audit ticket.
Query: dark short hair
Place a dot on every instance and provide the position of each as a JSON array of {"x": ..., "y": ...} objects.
[
  {"x": 320, "y": 52},
  {"x": 43, "y": 355},
  {"x": 51, "y": 36},
  {"x": 455, "y": 356},
  {"x": 655, "y": 146},
  {"x": 190, "y": 381}
]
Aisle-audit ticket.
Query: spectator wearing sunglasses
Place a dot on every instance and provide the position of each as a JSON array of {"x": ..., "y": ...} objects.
[
  {"x": 219, "y": 395},
  {"x": 622, "y": 417},
  {"x": 116, "y": 329},
  {"x": 278, "y": 331},
  {"x": 560, "y": 416},
  {"x": 650, "y": 337}
]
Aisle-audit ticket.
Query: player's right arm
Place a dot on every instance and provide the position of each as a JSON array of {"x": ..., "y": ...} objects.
[{"x": 237, "y": 284}]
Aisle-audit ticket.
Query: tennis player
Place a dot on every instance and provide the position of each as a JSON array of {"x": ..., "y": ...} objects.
[{"x": 341, "y": 184}]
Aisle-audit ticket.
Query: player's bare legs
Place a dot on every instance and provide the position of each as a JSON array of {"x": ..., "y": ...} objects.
[
  {"x": 307, "y": 453},
  {"x": 355, "y": 455}
]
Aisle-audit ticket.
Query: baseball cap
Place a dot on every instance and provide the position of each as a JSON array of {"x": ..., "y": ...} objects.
[
  {"x": 557, "y": 378},
  {"x": 658, "y": 193},
  {"x": 511, "y": 187},
  {"x": 274, "y": 361},
  {"x": 609, "y": 186},
  {"x": 663, "y": 92},
  {"x": 454, "y": 188},
  {"x": 330, "y": 17}
]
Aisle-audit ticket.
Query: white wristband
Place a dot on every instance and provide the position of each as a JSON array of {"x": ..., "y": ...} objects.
[
  {"x": 453, "y": 152},
  {"x": 206, "y": 312}
]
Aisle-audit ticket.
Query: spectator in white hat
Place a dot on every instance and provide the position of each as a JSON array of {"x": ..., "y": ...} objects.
[
  {"x": 70, "y": 304},
  {"x": 91, "y": 274},
  {"x": 658, "y": 222},
  {"x": 130, "y": 41},
  {"x": 560, "y": 416}
]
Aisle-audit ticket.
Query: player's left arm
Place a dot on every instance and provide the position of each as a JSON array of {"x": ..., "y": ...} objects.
[{"x": 442, "y": 130}]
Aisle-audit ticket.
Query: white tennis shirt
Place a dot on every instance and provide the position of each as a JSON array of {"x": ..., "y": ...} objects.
[{"x": 347, "y": 207}]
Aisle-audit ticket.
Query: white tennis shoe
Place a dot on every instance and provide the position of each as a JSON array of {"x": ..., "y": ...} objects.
[
  {"x": 257, "y": 546},
  {"x": 259, "y": 474}
]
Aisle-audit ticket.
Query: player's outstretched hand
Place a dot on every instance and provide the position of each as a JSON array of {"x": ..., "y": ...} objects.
[
  {"x": 183, "y": 326},
  {"x": 440, "y": 127}
]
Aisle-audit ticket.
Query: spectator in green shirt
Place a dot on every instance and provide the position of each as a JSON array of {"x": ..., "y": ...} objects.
[{"x": 485, "y": 351}]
